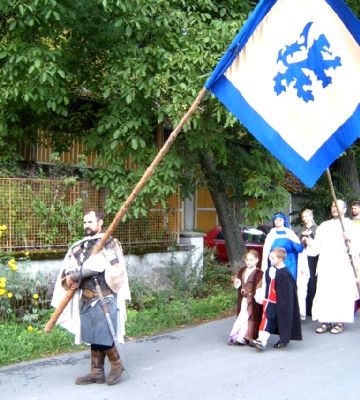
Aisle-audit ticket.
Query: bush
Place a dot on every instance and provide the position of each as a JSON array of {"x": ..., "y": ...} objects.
[
  {"x": 185, "y": 282},
  {"x": 23, "y": 296}
]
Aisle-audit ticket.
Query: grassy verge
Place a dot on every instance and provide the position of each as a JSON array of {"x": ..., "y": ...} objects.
[{"x": 20, "y": 343}]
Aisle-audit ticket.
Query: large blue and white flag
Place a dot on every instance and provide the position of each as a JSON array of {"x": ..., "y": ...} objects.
[{"x": 292, "y": 77}]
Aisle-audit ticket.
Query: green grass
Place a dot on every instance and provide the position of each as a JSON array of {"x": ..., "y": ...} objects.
[{"x": 18, "y": 344}]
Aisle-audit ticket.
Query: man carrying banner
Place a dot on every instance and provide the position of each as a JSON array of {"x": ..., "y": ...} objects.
[
  {"x": 336, "y": 290},
  {"x": 84, "y": 315}
]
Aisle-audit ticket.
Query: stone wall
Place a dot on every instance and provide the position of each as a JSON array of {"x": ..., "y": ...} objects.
[{"x": 150, "y": 267}]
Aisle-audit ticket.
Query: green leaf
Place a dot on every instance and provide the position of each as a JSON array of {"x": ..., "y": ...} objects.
[
  {"x": 116, "y": 134},
  {"x": 129, "y": 98},
  {"x": 29, "y": 21},
  {"x": 128, "y": 31},
  {"x": 106, "y": 93},
  {"x": 12, "y": 25},
  {"x": 134, "y": 144}
]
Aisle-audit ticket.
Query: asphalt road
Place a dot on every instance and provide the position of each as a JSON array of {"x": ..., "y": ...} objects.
[{"x": 196, "y": 363}]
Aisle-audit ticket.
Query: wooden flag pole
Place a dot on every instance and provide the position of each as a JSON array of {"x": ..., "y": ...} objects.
[
  {"x": 123, "y": 210},
  {"x": 347, "y": 244}
]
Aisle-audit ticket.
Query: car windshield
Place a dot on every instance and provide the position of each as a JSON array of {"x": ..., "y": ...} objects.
[
  {"x": 253, "y": 235},
  {"x": 250, "y": 235}
]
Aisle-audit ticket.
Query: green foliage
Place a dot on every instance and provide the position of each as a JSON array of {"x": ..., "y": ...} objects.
[
  {"x": 178, "y": 313},
  {"x": 189, "y": 299},
  {"x": 23, "y": 295},
  {"x": 112, "y": 72},
  {"x": 22, "y": 342},
  {"x": 50, "y": 209},
  {"x": 355, "y": 6},
  {"x": 55, "y": 213},
  {"x": 184, "y": 282}
]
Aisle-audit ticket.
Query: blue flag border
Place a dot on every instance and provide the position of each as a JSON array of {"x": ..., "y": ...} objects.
[{"x": 307, "y": 171}]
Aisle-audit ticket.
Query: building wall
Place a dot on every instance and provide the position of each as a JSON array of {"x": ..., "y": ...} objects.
[{"x": 205, "y": 212}]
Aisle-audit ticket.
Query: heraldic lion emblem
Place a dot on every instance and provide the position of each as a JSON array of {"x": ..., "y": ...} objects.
[{"x": 314, "y": 61}]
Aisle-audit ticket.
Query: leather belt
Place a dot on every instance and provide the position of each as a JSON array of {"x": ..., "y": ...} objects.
[
  {"x": 245, "y": 293},
  {"x": 90, "y": 294}
]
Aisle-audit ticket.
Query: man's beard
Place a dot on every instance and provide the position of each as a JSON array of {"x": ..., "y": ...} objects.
[{"x": 89, "y": 232}]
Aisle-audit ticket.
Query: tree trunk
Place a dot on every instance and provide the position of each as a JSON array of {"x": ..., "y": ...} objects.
[{"x": 225, "y": 209}]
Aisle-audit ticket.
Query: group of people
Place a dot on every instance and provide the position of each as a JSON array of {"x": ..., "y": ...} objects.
[
  {"x": 309, "y": 274},
  {"x": 312, "y": 274}
]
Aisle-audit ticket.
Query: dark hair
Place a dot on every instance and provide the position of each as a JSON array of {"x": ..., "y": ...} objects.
[
  {"x": 355, "y": 203},
  {"x": 98, "y": 213}
]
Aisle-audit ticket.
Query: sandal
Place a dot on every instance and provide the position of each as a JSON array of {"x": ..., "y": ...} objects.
[
  {"x": 338, "y": 328},
  {"x": 323, "y": 328}
]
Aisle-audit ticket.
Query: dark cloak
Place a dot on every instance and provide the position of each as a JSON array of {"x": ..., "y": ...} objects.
[{"x": 285, "y": 313}]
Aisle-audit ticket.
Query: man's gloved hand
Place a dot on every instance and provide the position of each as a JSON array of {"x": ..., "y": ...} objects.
[
  {"x": 72, "y": 283},
  {"x": 76, "y": 276}
]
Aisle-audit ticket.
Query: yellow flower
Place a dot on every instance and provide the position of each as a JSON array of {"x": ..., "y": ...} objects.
[
  {"x": 35, "y": 296},
  {"x": 2, "y": 284},
  {"x": 29, "y": 328},
  {"x": 13, "y": 267},
  {"x": 2, "y": 292},
  {"x": 9, "y": 295},
  {"x": 11, "y": 263},
  {"x": 27, "y": 254},
  {"x": 3, "y": 227},
  {"x": 2, "y": 279}
]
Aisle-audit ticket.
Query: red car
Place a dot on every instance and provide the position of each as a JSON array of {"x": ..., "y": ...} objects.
[{"x": 253, "y": 238}]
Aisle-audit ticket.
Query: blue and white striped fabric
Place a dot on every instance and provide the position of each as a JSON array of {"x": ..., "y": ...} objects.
[{"x": 292, "y": 77}]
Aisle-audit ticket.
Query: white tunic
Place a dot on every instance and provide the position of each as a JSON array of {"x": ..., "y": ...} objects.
[{"x": 336, "y": 289}]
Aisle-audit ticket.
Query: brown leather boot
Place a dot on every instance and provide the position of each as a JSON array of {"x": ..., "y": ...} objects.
[
  {"x": 116, "y": 366},
  {"x": 96, "y": 374}
]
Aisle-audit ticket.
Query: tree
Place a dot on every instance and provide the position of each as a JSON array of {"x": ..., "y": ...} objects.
[{"x": 112, "y": 73}]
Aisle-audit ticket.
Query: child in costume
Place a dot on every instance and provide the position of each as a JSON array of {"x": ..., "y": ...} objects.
[
  {"x": 278, "y": 295},
  {"x": 249, "y": 312}
]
